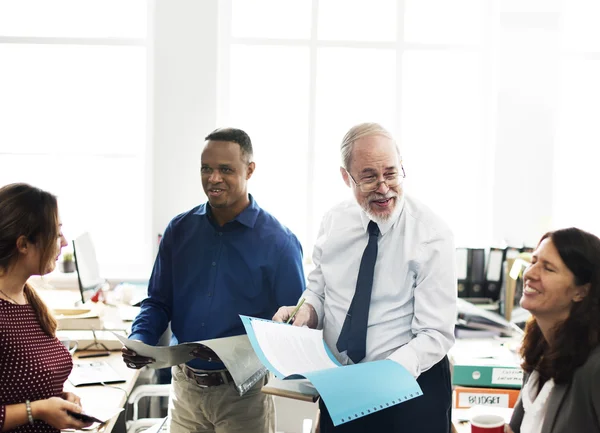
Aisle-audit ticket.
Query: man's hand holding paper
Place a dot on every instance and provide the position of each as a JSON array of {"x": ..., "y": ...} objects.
[{"x": 306, "y": 316}]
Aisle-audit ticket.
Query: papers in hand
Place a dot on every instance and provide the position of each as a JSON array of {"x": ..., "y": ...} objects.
[
  {"x": 349, "y": 392},
  {"x": 235, "y": 352}
]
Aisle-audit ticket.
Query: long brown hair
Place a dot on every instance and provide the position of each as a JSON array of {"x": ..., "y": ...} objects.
[
  {"x": 579, "y": 334},
  {"x": 33, "y": 213}
]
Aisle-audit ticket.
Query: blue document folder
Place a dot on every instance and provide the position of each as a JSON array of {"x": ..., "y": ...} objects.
[{"x": 350, "y": 391}]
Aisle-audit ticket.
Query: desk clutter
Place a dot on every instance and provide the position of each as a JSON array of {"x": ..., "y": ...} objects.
[
  {"x": 485, "y": 373},
  {"x": 491, "y": 279},
  {"x": 486, "y": 379},
  {"x": 482, "y": 272}
]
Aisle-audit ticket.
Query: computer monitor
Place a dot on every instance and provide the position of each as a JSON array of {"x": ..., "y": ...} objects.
[{"x": 88, "y": 271}]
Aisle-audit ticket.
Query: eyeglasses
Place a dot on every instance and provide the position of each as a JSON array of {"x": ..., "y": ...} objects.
[{"x": 372, "y": 183}]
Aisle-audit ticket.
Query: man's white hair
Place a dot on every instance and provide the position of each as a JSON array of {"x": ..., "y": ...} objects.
[{"x": 357, "y": 132}]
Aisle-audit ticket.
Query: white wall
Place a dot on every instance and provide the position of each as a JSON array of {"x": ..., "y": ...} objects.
[{"x": 183, "y": 58}]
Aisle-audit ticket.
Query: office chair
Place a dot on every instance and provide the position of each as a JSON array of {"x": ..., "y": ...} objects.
[{"x": 137, "y": 424}]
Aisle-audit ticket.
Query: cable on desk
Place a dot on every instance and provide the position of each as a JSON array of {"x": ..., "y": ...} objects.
[{"x": 126, "y": 398}]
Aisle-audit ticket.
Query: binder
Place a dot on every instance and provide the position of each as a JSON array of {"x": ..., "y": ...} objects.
[
  {"x": 462, "y": 272},
  {"x": 476, "y": 272},
  {"x": 349, "y": 391},
  {"x": 493, "y": 273},
  {"x": 466, "y": 397},
  {"x": 487, "y": 372}
]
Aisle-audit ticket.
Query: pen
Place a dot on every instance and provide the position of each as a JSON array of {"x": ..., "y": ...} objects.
[
  {"x": 94, "y": 355},
  {"x": 295, "y": 310}
]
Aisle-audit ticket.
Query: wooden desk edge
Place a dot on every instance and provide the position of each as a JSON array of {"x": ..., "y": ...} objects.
[{"x": 289, "y": 394}]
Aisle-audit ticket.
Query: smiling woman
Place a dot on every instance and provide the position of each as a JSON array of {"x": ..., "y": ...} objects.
[{"x": 561, "y": 348}]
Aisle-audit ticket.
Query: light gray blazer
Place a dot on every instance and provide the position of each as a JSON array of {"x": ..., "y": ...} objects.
[{"x": 573, "y": 407}]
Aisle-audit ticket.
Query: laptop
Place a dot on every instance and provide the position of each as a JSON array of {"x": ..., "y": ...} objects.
[{"x": 94, "y": 373}]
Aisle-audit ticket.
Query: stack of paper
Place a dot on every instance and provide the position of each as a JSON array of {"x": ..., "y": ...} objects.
[{"x": 78, "y": 319}]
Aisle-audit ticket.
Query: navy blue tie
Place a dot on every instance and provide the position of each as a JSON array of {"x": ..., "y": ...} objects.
[{"x": 353, "y": 337}]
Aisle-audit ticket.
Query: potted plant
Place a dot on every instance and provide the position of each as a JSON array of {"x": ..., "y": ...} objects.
[{"x": 67, "y": 263}]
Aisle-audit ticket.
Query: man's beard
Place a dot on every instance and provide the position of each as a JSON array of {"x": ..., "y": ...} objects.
[{"x": 381, "y": 218}]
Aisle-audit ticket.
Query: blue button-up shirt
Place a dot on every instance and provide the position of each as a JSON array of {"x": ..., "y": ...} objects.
[{"x": 205, "y": 276}]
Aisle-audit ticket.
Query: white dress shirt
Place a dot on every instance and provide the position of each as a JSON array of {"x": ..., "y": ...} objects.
[
  {"x": 535, "y": 404},
  {"x": 413, "y": 301}
]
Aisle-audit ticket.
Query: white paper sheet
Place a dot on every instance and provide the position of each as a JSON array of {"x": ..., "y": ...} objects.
[{"x": 291, "y": 349}]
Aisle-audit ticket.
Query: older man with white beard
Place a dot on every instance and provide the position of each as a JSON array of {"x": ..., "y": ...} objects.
[{"x": 384, "y": 284}]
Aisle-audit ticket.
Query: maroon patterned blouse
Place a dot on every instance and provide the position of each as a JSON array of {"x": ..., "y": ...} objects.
[{"x": 33, "y": 366}]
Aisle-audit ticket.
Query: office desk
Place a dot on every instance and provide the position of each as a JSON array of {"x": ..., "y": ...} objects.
[{"x": 100, "y": 396}]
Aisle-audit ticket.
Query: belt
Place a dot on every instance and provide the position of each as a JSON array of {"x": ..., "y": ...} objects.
[{"x": 207, "y": 379}]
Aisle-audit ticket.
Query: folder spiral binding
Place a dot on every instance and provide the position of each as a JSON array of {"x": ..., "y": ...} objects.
[{"x": 349, "y": 391}]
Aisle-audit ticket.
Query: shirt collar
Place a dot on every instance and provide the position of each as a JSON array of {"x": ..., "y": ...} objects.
[
  {"x": 247, "y": 217},
  {"x": 389, "y": 224}
]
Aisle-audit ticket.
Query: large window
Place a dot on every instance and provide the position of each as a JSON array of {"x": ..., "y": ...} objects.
[
  {"x": 299, "y": 82},
  {"x": 73, "y": 117},
  {"x": 493, "y": 104}
]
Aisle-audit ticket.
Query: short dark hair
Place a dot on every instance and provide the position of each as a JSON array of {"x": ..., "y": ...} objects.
[
  {"x": 579, "y": 334},
  {"x": 236, "y": 136}
]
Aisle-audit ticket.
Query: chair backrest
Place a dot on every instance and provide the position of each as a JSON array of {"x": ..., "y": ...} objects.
[{"x": 148, "y": 425}]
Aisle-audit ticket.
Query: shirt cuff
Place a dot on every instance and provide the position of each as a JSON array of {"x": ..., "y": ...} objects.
[
  {"x": 407, "y": 358},
  {"x": 316, "y": 303}
]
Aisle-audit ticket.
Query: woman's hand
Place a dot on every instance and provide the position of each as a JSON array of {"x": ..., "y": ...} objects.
[
  {"x": 69, "y": 396},
  {"x": 507, "y": 429},
  {"x": 53, "y": 411}
]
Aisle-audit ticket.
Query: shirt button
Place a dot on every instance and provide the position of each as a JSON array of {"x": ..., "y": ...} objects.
[
  {"x": 202, "y": 324},
  {"x": 209, "y": 295},
  {"x": 220, "y": 233},
  {"x": 214, "y": 263}
]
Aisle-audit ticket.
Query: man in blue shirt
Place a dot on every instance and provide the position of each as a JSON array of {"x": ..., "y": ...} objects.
[{"x": 216, "y": 261}]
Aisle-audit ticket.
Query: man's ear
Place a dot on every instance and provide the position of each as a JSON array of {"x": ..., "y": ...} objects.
[
  {"x": 345, "y": 176},
  {"x": 250, "y": 170},
  {"x": 581, "y": 292},
  {"x": 22, "y": 244}
]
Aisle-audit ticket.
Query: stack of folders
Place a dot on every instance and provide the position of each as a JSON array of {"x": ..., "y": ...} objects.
[
  {"x": 480, "y": 272},
  {"x": 474, "y": 321},
  {"x": 485, "y": 373}
]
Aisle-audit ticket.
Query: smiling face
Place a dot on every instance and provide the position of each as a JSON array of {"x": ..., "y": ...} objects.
[
  {"x": 225, "y": 173},
  {"x": 549, "y": 288},
  {"x": 375, "y": 157}
]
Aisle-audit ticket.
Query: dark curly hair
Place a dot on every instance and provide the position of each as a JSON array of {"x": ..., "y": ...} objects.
[{"x": 579, "y": 334}]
